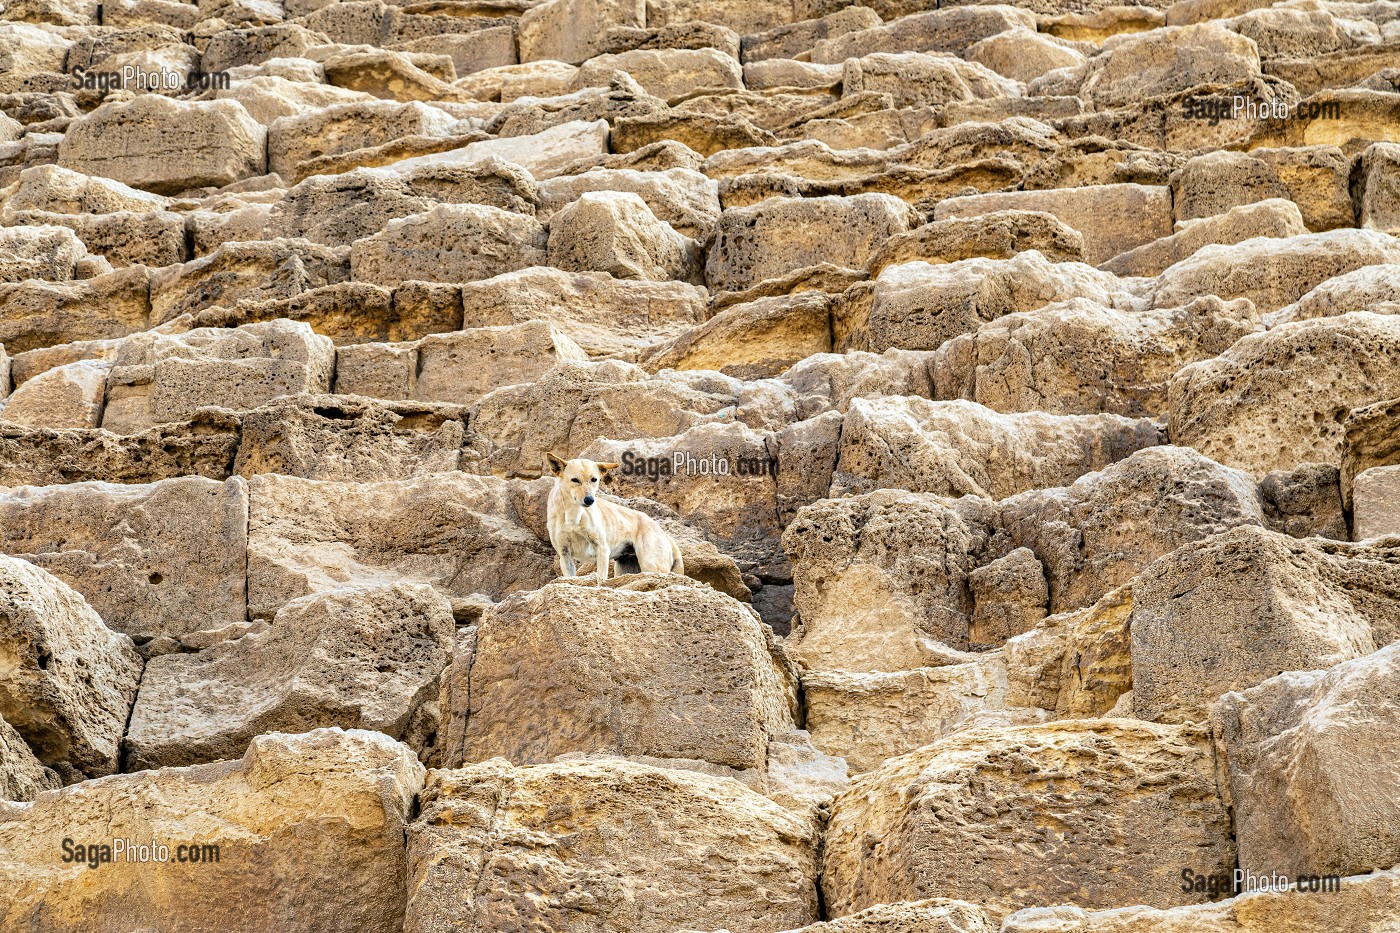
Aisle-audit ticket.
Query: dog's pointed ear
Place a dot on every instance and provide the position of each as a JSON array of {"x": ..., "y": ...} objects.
[
  {"x": 556, "y": 466},
  {"x": 604, "y": 468}
]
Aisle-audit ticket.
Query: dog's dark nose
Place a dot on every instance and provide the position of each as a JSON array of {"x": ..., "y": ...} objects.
[{"x": 587, "y": 500}]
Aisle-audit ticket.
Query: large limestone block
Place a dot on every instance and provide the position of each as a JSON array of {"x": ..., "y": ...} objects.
[
  {"x": 780, "y": 235},
  {"x": 1112, "y": 218},
  {"x": 1077, "y": 664},
  {"x": 1316, "y": 178},
  {"x": 1100, "y": 813},
  {"x": 458, "y": 367},
  {"x": 1375, "y": 500},
  {"x": 914, "y": 79},
  {"x": 665, "y": 73},
  {"x": 1377, "y": 196},
  {"x": 450, "y": 243},
  {"x": 162, "y": 558},
  {"x": 308, "y": 830},
  {"x": 1275, "y": 217},
  {"x": 358, "y": 657},
  {"x": 881, "y": 581},
  {"x": 606, "y": 846},
  {"x": 344, "y": 128},
  {"x": 245, "y": 271},
  {"x": 68, "y": 396},
  {"x": 949, "y": 30},
  {"x": 59, "y": 190},
  {"x": 28, "y": 51},
  {"x": 69, "y": 680},
  {"x": 751, "y": 340},
  {"x": 994, "y": 235},
  {"x": 574, "y": 31},
  {"x": 543, "y": 154},
  {"x": 782, "y": 43},
  {"x": 659, "y": 667},
  {"x": 1023, "y": 54},
  {"x": 1279, "y": 399},
  {"x": 36, "y": 314},
  {"x": 615, "y": 232},
  {"x": 166, "y": 146},
  {"x": 462, "y": 534},
  {"x": 1099, "y": 532},
  {"x": 1080, "y": 357},
  {"x": 1132, "y": 68},
  {"x": 1360, "y": 904},
  {"x": 868, "y": 718},
  {"x": 682, "y": 197},
  {"x": 960, "y": 448},
  {"x": 919, "y": 305},
  {"x": 38, "y": 251},
  {"x": 1312, "y": 786},
  {"x": 1370, "y": 288},
  {"x": 1237, "y": 608},
  {"x": 601, "y": 314},
  {"x": 22, "y": 776},
  {"x": 1273, "y": 272},
  {"x": 351, "y": 439},
  {"x": 45, "y": 457},
  {"x": 157, "y": 378}
]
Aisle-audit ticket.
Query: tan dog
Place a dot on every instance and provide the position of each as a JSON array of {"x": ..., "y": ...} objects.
[{"x": 584, "y": 527}]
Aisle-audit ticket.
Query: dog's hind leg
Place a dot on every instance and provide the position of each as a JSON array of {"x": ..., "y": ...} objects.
[{"x": 566, "y": 563}]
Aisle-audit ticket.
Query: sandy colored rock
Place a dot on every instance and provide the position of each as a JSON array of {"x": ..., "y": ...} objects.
[
  {"x": 1278, "y": 399},
  {"x": 1151, "y": 787},
  {"x": 157, "y": 378},
  {"x": 70, "y": 680},
  {"x": 45, "y": 457},
  {"x": 919, "y": 305},
  {"x": 598, "y": 312},
  {"x": 615, "y": 232},
  {"x": 752, "y": 340},
  {"x": 364, "y": 657},
  {"x": 68, "y": 396},
  {"x": 1079, "y": 357},
  {"x": 1100, "y": 531},
  {"x": 460, "y": 533},
  {"x": 647, "y": 835},
  {"x": 1075, "y": 664},
  {"x": 1113, "y": 219},
  {"x": 322, "y": 813},
  {"x": 1374, "y": 494},
  {"x": 573, "y": 30},
  {"x": 681, "y": 197},
  {"x": 666, "y": 73},
  {"x": 1233, "y": 610},
  {"x": 39, "y": 314},
  {"x": 783, "y": 234},
  {"x": 253, "y": 271},
  {"x": 161, "y": 145},
  {"x": 126, "y": 549},
  {"x": 450, "y": 243},
  {"x": 22, "y": 776},
  {"x": 337, "y": 437},
  {"x": 458, "y": 368},
  {"x": 654, "y": 666},
  {"x": 960, "y": 448},
  {"x": 994, "y": 235},
  {"x": 1274, "y": 217},
  {"x": 1292, "y": 747}
]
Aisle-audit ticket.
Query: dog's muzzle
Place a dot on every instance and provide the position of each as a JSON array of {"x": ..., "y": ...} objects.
[{"x": 587, "y": 501}]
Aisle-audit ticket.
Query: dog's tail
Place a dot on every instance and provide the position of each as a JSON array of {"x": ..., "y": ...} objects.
[{"x": 677, "y": 564}]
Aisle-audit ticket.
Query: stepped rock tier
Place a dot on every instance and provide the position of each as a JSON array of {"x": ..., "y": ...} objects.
[{"x": 1018, "y": 382}]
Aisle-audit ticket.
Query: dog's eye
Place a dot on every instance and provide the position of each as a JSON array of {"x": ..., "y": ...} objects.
[
  {"x": 575, "y": 479},
  {"x": 595, "y": 479}
]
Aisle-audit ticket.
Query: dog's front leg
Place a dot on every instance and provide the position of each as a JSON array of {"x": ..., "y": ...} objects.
[
  {"x": 604, "y": 562},
  {"x": 566, "y": 563}
]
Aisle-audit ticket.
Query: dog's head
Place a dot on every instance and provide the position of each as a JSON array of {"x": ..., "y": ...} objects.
[{"x": 579, "y": 479}]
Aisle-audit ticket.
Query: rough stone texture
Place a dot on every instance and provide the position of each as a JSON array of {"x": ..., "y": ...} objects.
[
  {"x": 126, "y": 549},
  {"x": 965, "y": 818},
  {"x": 1100, "y": 531},
  {"x": 780, "y": 235},
  {"x": 69, "y": 680},
  {"x": 1278, "y": 399},
  {"x": 1237, "y": 608},
  {"x": 316, "y": 821},
  {"x": 161, "y": 145},
  {"x": 615, "y": 232},
  {"x": 1311, "y": 795},
  {"x": 660, "y": 667},
  {"x": 462, "y": 534},
  {"x": 1374, "y": 497},
  {"x": 365, "y": 657},
  {"x": 22, "y": 776},
  {"x": 68, "y": 396},
  {"x": 496, "y": 844},
  {"x": 450, "y": 243}
]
